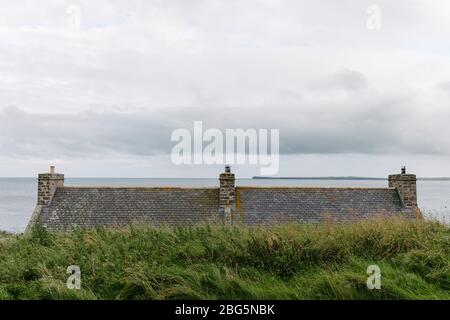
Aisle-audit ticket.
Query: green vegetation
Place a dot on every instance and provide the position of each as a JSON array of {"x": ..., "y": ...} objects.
[{"x": 327, "y": 261}]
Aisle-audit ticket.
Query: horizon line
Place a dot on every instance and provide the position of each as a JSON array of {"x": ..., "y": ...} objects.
[{"x": 250, "y": 178}]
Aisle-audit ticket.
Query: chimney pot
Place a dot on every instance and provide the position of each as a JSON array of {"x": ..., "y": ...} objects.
[
  {"x": 403, "y": 170},
  {"x": 52, "y": 169},
  {"x": 227, "y": 168}
]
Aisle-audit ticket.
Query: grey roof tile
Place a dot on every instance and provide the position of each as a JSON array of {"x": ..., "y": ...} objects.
[
  {"x": 117, "y": 207},
  {"x": 121, "y": 206},
  {"x": 283, "y": 204}
]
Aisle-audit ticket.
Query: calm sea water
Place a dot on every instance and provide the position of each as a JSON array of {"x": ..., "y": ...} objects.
[{"x": 18, "y": 195}]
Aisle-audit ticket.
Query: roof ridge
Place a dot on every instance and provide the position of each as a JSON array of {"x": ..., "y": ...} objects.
[
  {"x": 314, "y": 188},
  {"x": 139, "y": 187},
  {"x": 215, "y": 188}
]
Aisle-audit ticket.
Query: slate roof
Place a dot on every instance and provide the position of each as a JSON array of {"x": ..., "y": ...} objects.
[
  {"x": 118, "y": 207},
  {"x": 121, "y": 206},
  {"x": 267, "y": 205}
]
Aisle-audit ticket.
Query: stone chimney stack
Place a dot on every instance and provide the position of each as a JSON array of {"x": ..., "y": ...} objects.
[
  {"x": 227, "y": 195},
  {"x": 47, "y": 184},
  {"x": 406, "y": 186}
]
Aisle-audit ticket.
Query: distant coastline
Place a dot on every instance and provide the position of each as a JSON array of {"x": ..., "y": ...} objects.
[{"x": 346, "y": 178}]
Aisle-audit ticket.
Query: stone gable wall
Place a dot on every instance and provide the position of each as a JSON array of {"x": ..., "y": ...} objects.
[
  {"x": 47, "y": 184},
  {"x": 406, "y": 185}
]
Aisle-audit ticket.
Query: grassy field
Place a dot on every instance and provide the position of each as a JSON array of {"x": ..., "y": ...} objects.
[{"x": 216, "y": 262}]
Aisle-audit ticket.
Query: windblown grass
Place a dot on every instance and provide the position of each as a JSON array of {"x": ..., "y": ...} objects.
[{"x": 325, "y": 261}]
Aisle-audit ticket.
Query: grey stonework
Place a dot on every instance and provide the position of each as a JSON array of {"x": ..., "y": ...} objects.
[
  {"x": 406, "y": 185},
  {"x": 227, "y": 196},
  {"x": 47, "y": 184}
]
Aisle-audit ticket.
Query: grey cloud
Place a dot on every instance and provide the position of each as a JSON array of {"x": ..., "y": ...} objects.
[
  {"x": 444, "y": 86},
  {"x": 381, "y": 128},
  {"x": 85, "y": 134},
  {"x": 349, "y": 80}
]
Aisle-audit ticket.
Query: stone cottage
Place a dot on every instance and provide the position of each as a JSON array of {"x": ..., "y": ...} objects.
[{"x": 63, "y": 208}]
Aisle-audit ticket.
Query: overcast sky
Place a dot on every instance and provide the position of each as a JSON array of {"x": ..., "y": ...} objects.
[{"x": 102, "y": 100}]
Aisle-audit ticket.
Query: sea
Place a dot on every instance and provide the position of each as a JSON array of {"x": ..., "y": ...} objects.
[{"x": 18, "y": 195}]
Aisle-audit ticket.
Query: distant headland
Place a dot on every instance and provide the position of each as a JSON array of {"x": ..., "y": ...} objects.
[{"x": 347, "y": 178}]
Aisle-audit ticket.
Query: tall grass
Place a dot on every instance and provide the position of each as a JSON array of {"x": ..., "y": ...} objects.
[{"x": 294, "y": 261}]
